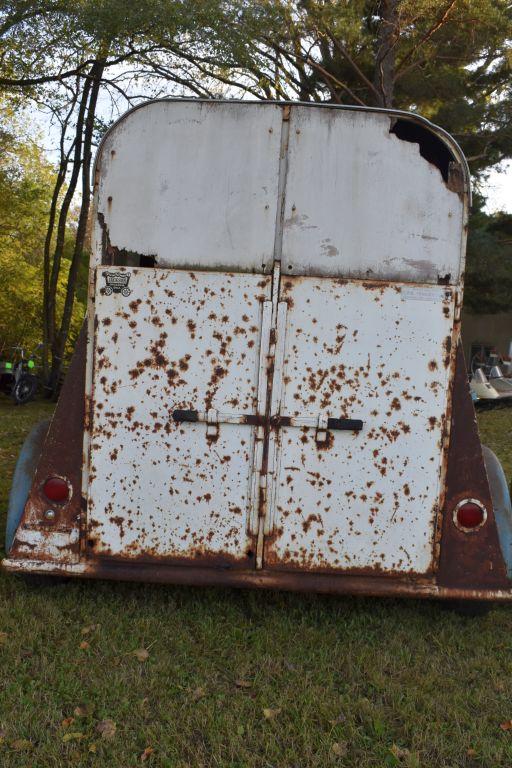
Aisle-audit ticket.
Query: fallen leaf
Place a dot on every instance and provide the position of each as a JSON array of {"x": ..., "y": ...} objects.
[
  {"x": 339, "y": 748},
  {"x": 199, "y": 693},
  {"x": 107, "y": 728},
  {"x": 506, "y": 726},
  {"x": 21, "y": 745},
  {"x": 93, "y": 747},
  {"x": 399, "y": 752},
  {"x": 270, "y": 714},
  {"x": 3, "y": 637},
  {"x": 90, "y": 628},
  {"x": 72, "y": 736},
  {"x": 243, "y": 684},
  {"x": 141, "y": 654},
  {"x": 146, "y": 754},
  {"x": 82, "y": 711},
  {"x": 84, "y": 645},
  {"x": 67, "y": 722},
  {"x": 471, "y": 752}
]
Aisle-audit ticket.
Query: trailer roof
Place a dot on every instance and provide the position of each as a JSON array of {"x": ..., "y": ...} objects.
[{"x": 328, "y": 190}]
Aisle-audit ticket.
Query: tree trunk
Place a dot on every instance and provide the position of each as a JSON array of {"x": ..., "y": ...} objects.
[
  {"x": 51, "y": 296},
  {"x": 61, "y": 337},
  {"x": 59, "y": 183},
  {"x": 385, "y": 58}
]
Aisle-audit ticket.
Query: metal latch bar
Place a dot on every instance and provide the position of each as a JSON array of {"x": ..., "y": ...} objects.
[{"x": 254, "y": 420}]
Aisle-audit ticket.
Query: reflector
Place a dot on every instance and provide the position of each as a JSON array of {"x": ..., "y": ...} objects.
[
  {"x": 470, "y": 515},
  {"x": 56, "y": 489}
]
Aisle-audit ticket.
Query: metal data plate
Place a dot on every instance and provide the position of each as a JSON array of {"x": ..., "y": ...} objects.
[
  {"x": 360, "y": 500},
  {"x": 177, "y": 340}
]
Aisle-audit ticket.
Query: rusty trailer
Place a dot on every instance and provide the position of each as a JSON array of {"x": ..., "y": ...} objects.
[{"x": 269, "y": 389}]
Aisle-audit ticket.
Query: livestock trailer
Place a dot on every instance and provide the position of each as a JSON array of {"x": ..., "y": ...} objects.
[{"x": 269, "y": 389}]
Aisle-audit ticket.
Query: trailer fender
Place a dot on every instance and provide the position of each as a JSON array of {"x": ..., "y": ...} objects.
[
  {"x": 23, "y": 477},
  {"x": 501, "y": 503}
]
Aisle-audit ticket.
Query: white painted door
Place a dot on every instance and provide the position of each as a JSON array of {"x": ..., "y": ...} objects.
[
  {"x": 172, "y": 346},
  {"x": 358, "y": 500}
]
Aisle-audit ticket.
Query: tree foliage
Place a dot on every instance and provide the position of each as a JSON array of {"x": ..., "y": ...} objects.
[
  {"x": 449, "y": 60},
  {"x": 489, "y": 262},
  {"x": 26, "y": 185}
]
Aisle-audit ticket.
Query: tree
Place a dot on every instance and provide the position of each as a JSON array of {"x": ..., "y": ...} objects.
[
  {"x": 489, "y": 262},
  {"x": 65, "y": 54},
  {"x": 447, "y": 59},
  {"x": 26, "y": 183}
]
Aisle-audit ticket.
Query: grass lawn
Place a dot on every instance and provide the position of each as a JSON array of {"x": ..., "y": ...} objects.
[{"x": 245, "y": 679}]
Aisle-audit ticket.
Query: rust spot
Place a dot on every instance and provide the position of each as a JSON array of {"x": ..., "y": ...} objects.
[
  {"x": 192, "y": 328},
  {"x": 447, "y": 348}
]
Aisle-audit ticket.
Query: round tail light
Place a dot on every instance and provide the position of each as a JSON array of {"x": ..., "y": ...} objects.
[
  {"x": 469, "y": 515},
  {"x": 56, "y": 489}
]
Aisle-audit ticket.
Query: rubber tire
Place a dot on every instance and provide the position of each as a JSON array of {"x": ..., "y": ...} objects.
[
  {"x": 22, "y": 479},
  {"x": 25, "y": 389},
  {"x": 501, "y": 503}
]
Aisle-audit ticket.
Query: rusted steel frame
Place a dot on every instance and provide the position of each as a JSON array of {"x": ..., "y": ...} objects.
[
  {"x": 61, "y": 456},
  {"x": 473, "y": 557},
  {"x": 304, "y": 582}
]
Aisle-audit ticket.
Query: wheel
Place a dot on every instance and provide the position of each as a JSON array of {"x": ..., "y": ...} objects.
[
  {"x": 22, "y": 479},
  {"x": 501, "y": 504},
  {"x": 25, "y": 389},
  {"x": 108, "y": 291},
  {"x": 125, "y": 291}
]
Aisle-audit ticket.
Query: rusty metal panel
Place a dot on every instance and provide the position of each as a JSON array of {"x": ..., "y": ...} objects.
[
  {"x": 362, "y": 202},
  {"x": 377, "y": 353},
  {"x": 192, "y": 183},
  {"x": 160, "y": 488},
  {"x": 57, "y": 539},
  {"x": 474, "y": 558}
]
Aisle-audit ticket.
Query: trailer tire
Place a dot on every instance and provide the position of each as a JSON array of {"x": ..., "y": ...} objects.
[
  {"x": 501, "y": 504},
  {"x": 22, "y": 479}
]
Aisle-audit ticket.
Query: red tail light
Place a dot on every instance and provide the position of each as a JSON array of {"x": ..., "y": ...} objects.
[
  {"x": 469, "y": 514},
  {"x": 56, "y": 489}
]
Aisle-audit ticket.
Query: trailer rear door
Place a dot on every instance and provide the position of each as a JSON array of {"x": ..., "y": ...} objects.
[
  {"x": 180, "y": 341},
  {"x": 352, "y": 350}
]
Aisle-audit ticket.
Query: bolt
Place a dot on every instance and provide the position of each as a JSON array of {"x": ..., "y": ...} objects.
[{"x": 50, "y": 514}]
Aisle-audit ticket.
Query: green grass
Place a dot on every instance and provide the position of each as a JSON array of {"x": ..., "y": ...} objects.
[{"x": 350, "y": 682}]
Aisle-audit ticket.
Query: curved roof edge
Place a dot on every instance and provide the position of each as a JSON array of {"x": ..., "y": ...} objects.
[{"x": 446, "y": 138}]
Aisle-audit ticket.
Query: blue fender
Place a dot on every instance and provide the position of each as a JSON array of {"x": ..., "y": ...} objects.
[
  {"x": 501, "y": 504},
  {"x": 23, "y": 477}
]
